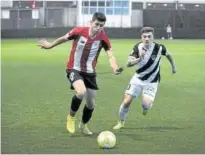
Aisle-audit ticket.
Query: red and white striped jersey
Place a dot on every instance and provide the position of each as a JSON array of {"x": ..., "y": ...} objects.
[{"x": 85, "y": 51}]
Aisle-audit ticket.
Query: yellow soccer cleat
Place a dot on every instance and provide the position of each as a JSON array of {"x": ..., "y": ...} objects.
[
  {"x": 71, "y": 124},
  {"x": 84, "y": 129},
  {"x": 119, "y": 125}
]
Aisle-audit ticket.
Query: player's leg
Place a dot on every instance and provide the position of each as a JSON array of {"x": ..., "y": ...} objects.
[
  {"x": 87, "y": 111},
  {"x": 79, "y": 86},
  {"x": 123, "y": 111},
  {"x": 133, "y": 90},
  {"x": 171, "y": 35},
  {"x": 80, "y": 90},
  {"x": 148, "y": 96},
  {"x": 91, "y": 85}
]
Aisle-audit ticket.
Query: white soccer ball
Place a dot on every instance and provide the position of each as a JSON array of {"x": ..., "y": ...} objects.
[{"x": 106, "y": 140}]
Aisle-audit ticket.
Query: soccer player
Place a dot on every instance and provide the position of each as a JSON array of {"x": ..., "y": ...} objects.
[
  {"x": 146, "y": 55},
  {"x": 169, "y": 32},
  {"x": 86, "y": 47}
]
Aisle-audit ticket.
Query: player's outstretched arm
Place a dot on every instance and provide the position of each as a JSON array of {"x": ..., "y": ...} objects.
[
  {"x": 132, "y": 61},
  {"x": 47, "y": 45},
  {"x": 171, "y": 60},
  {"x": 113, "y": 62}
]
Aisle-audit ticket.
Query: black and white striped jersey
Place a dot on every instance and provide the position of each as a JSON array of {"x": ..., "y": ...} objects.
[{"x": 148, "y": 68}]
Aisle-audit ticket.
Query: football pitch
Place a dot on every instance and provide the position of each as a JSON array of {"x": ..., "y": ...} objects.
[{"x": 36, "y": 98}]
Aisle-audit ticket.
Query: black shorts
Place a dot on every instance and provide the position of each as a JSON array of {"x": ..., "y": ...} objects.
[{"x": 88, "y": 79}]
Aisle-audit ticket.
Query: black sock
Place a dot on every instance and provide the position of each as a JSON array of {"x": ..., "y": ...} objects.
[
  {"x": 87, "y": 114},
  {"x": 75, "y": 104}
]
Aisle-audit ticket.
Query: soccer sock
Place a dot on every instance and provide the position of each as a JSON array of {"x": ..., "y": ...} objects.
[
  {"x": 123, "y": 111},
  {"x": 75, "y": 104},
  {"x": 87, "y": 114}
]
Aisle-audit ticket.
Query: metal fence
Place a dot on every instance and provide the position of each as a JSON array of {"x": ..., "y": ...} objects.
[
  {"x": 186, "y": 20},
  {"x": 31, "y": 18},
  {"x": 66, "y": 14}
]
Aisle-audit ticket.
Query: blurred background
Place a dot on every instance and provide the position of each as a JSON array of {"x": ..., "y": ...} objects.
[{"x": 186, "y": 17}]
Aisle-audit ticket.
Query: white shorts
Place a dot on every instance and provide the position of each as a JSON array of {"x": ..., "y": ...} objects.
[{"x": 137, "y": 86}]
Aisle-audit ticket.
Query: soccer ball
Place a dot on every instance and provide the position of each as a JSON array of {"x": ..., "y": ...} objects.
[{"x": 106, "y": 140}]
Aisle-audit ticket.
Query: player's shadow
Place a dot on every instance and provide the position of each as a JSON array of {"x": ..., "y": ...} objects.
[
  {"x": 133, "y": 136},
  {"x": 79, "y": 134},
  {"x": 156, "y": 128}
]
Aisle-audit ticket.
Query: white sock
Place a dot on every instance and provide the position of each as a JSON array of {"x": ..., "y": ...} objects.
[{"x": 123, "y": 112}]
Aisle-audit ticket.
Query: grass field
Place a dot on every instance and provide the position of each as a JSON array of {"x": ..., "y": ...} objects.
[{"x": 36, "y": 98}]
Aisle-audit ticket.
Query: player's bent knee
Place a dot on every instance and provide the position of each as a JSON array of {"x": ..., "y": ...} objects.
[
  {"x": 147, "y": 103},
  {"x": 90, "y": 98},
  {"x": 127, "y": 99},
  {"x": 80, "y": 88},
  {"x": 90, "y": 105},
  {"x": 147, "y": 99},
  {"x": 81, "y": 93}
]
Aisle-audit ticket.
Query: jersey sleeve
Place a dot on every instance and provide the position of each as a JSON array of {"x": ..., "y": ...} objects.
[
  {"x": 135, "y": 51},
  {"x": 72, "y": 34},
  {"x": 164, "y": 50},
  {"x": 106, "y": 42}
]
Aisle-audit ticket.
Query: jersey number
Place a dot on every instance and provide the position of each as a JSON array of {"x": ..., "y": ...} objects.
[{"x": 71, "y": 76}]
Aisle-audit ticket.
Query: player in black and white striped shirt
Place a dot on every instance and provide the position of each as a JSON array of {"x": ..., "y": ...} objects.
[{"x": 146, "y": 55}]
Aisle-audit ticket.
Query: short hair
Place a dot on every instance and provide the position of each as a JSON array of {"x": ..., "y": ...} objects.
[
  {"x": 99, "y": 16},
  {"x": 147, "y": 29}
]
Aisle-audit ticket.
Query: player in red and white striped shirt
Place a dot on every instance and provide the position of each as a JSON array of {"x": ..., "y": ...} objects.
[{"x": 87, "y": 44}]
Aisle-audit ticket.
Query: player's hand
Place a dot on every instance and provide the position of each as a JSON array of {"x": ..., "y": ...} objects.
[
  {"x": 44, "y": 44},
  {"x": 142, "y": 53},
  {"x": 118, "y": 71},
  {"x": 174, "y": 71}
]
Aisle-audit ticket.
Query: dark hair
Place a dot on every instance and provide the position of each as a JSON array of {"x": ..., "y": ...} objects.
[
  {"x": 147, "y": 29},
  {"x": 99, "y": 16}
]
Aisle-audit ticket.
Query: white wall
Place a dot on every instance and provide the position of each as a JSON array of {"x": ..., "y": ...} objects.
[
  {"x": 69, "y": 18},
  {"x": 6, "y": 3},
  {"x": 137, "y": 18}
]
